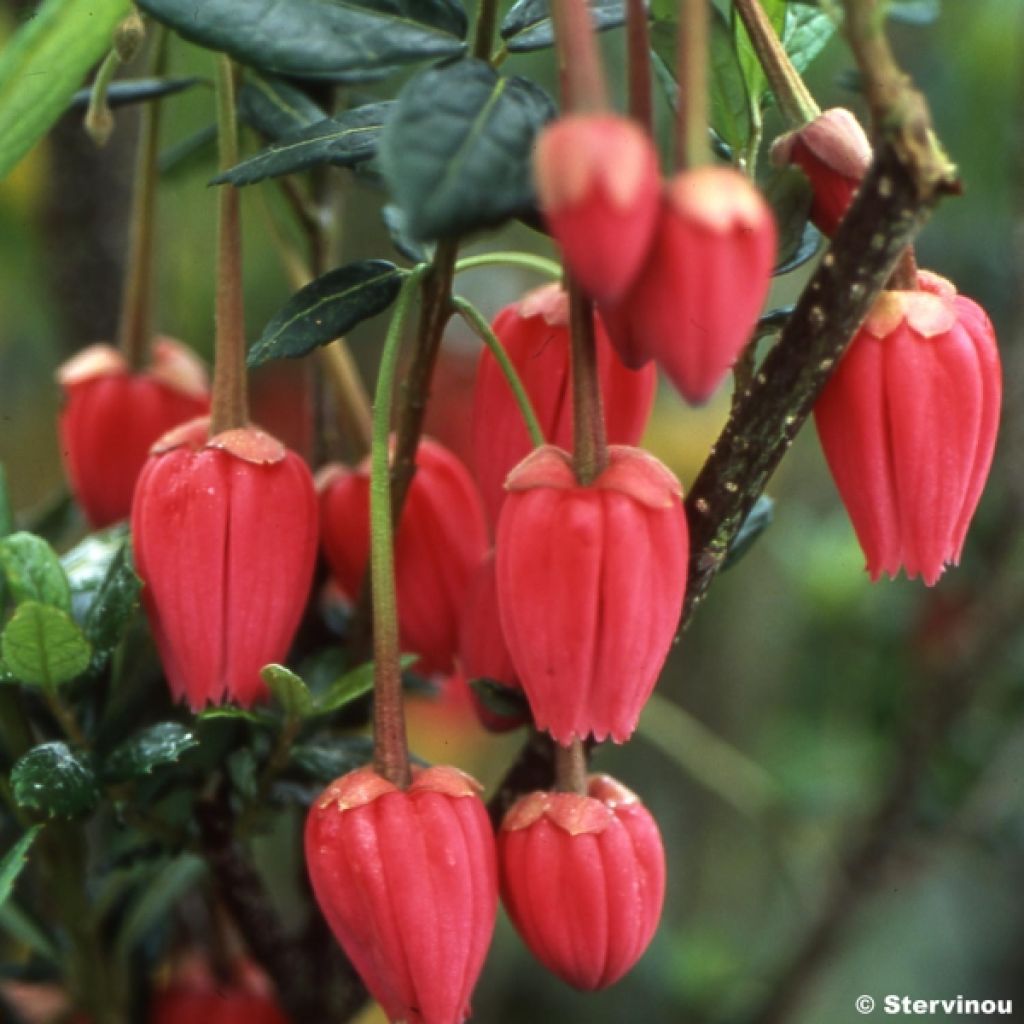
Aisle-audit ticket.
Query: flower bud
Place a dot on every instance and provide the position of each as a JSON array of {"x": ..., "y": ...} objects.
[
  {"x": 908, "y": 426},
  {"x": 834, "y": 153},
  {"x": 224, "y": 530},
  {"x": 590, "y": 587},
  {"x": 407, "y": 880},
  {"x": 112, "y": 416},
  {"x": 441, "y": 539},
  {"x": 599, "y": 184},
  {"x": 583, "y": 879},
  {"x": 535, "y": 335},
  {"x": 483, "y": 653},
  {"x": 696, "y": 301}
]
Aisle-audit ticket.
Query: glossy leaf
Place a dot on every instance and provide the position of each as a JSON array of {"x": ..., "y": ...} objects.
[
  {"x": 327, "y": 308},
  {"x": 113, "y": 603},
  {"x": 276, "y": 108},
  {"x": 53, "y": 779},
  {"x": 156, "y": 746},
  {"x": 42, "y": 646},
  {"x": 806, "y": 249},
  {"x": 33, "y": 571},
  {"x": 343, "y": 141},
  {"x": 124, "y": 92},
  {"x": 528, "y": 25},
  {"x": 88, "y": 563},
  {"x": 760, "y": 517},
  {"x": 44, "y": 63},
  {"x": 456, "y": 150},
  {"x": 289, "y": 690},
  {"x": 14, "y": 860},
  {"x": 306, "y": 37},
  {"x": 325, "y": 761},
  {"x": 807, "y": 31}
]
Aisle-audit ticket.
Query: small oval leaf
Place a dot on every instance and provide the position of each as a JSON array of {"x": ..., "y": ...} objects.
[
  {"x": 343, "y": 141},
  {"x": 41, "y": 646},
  {"x": 305, "y": 37},
  {"x": 327, "y": 308},
  {"x": 53, "y": 779},
  {"x": 135, "y": 90},
  {"x": 456, "y": 150},
  {"x": 289, "y": 690},
  {"x": 155, "y": 746},
  {"x": 33, "y": 571},
  {"x": 276, "y": 108}
]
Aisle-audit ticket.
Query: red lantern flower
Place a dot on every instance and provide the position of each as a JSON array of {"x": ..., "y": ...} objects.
[
  {"x": 590, "y": 587},
  {"x": 583, "y": 879},
  {"x": 483, "y": 653},
  {"x": 834, "y": 153},
  {"x": 195, "y": 996},
  {"x": 696, "y": 302},
  {"x": 408, "y": 883},
  {"x": 441, "y": 539},
  {"x": 908, "y": 425},
  {"x": 599, "y": 185},
  {"x": 112, "y": 416},
  {"x": 224, "y": 530},
  {"x": 535, "y": 335}
]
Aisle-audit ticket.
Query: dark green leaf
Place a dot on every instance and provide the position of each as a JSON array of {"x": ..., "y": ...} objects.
[
  {"x": 52, "y": 779},
  {"x": 42, "y": 646},
  {"x": 14, "y": 860},
  {"x": 135, "y": 90},
  {"x": 503, "y": 701},
  {"x": 807, "y": 32},
  {"x": 750, "y": 67},
  {"x": 197, "y": 148},
  {"x": 324, "y": 762},
  {"x": 228, "y": 711},
  {"x": 28, "y": 931},
  {"x": 88, "y": 563},
  {"x": 349, "y": 687},
  {"x": 670, "y": 87},
  {"x": 289, "y": 690},
  {"x": 44, "y": 63},
  {"x": 343, "y": 141},
  {"x": 773, "y": 321},
  {"x": 276, "y": 108},
  {"x": 527, "y": 26},
  {"x": 327, "y": 308},
  {"x": 305, "y": 37},
  {"x": 157, "y": 745},
  {"x": 157, "y": 900},
  {"x": 789, "y": 194},
  {"x": 456, "y": 149},
  {"x": 394, "y": 221},
  {"x": 113, "y": 604},
  {"x": 758, "y": 520},
  {"x": 913, "y": 12},
  {"x": 243, "y": 770},
  {"x": 806, "y": 249},
  {"x": 33, "y": 571},
  {"x": 447, "y": 15}
]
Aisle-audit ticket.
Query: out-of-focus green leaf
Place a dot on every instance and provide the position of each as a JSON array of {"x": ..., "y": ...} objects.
[
  {"x": 789, "y": 194},
  {"x": 155, "y": 900},
  {"x": 345, "y": 140},
  {"x": 456, "y": 149},
  {"x": 349, "y": 687},
  {"x": 274, "y": 107},
  {"x": 806, "y": 249},
  {"x": 6, "y": 508},
  {"x": 326, "y": 761},
  {"x": 528, "y": 25},
  {"x": 806, "y": 33},
  {"x": 197, "y": 148},
  {"x": 307, "y": 37},
  {"x": 53, "y": 779},
  {"x": 135, "y": 90},
  {"x": 14, "y": 860},
  {"x": 913, "y": 12},
  {"x": 43, "y": 65},
  {"x": 33, "y": 571},
  {"x": 42, "y": 646},
  {"x": 327, "y": 308},
  {"x": 24, "y": 929},
  {"x": 409, "y": 247},
  {"x": 503, "y": 701},
  {"x": 289, "y": 690},
  {"x": 155, "y": 746},
  {"x": 758, "y": 520},
  {"x": 750, "y": 67}
]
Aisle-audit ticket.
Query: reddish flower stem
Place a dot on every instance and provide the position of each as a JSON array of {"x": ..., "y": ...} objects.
[
  {"x": 571, "y": 768},
  {"x": 692, "y": 146},
  {"x": 590, "y": 446},
  {"x": 638, "y": 64},
  {"x": 581, "y": 76},
  {"x": 230, "y": 407}
]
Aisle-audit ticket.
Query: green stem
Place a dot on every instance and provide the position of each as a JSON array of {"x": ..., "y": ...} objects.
[
  {"x": 99, "y": 121},
  {"x": 692, "y": 146},
  {"x": 794, "y": 98},
  {"x": 136, "y": 298},
  {"x": 590, "y": 446},
  {"x": 542, "y": 265},
  {"x": 571, "y": 768},
  {"x": 580, "y": 74},
  {"x": 230, "y": 400},
  {"x": 391, "y": 751},
  {"x": 65, "y": 718},
  {"x": 482, "y": 329},
  {"x": 483, "y": 34}
]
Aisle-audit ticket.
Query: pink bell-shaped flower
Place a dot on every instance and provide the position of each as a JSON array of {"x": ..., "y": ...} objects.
[
  {"x": 583, "y": 879},
  {"x": 224, "y": 531},
  {"x": 407, "y": 880},
  {"x": 908, "y": 425},
  {"x": 590, "y": 587}
]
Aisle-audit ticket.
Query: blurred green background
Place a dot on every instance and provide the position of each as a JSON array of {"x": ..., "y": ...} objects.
[{"x": 837, "y": 767}]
